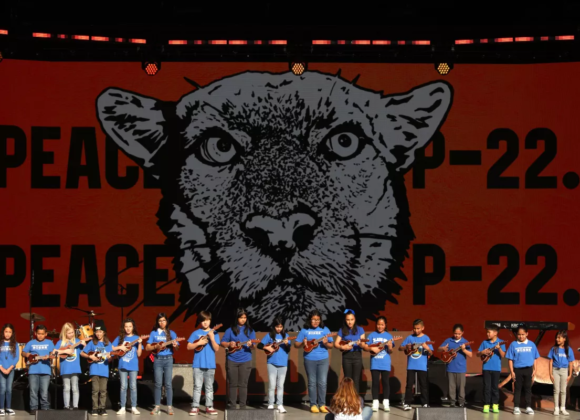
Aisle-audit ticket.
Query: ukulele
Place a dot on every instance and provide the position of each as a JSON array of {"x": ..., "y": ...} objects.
[
  {"x": 412, "y": 348},
  {"x": 276, "y": 346},
  {"x": 485, "y": 357},
  {"x": 239, "y": 346},
  {"x": 448, "y": 356},
  {"x": 129, "y": 344},
  {"x": 312, "y": 344},
  {"x": 161, "y": 345},
  {"x": 69, "y": 346},
  {"x": 102, "y": 355},
  {"x": 202, "y": 346},
  {"x": 34, "y": 358},
  {"x": 351, "y": 343},
  {"x": 381, "y": 345}
]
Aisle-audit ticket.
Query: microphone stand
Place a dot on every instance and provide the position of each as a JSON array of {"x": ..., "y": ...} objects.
[{"x": 30, "y": 305}]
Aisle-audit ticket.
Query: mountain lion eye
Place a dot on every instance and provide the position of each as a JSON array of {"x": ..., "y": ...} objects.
[
  {"x": 344, "y": 145},
  {"x": 218, "y": 150}
]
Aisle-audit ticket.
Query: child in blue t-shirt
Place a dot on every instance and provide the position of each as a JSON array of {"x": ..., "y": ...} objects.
[
  {"x": 70, "y": 367},
  {"x": 316, "y": 361},
  {"x": 492, "y": 368},
  {"x": 352, "y": 352},
  {"x": 277, "y": 362},
  {"x": 561, "y": 357},
  {"x": 239, "y": 364},
  {"x": 522, "y": 356},
  {"x": 99, "y": 369},
  {"x": 418, "y": 353},
  {"x": 457, "y": 367},
  {"x": 380, "y": 361},
  {"x": 9, "y": 356},
  {"x": 203, "y": 362},
  {"x": 129, "y": 363}
]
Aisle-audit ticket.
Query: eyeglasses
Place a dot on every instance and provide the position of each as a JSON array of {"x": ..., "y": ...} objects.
[{"x": 346, "y": 311}]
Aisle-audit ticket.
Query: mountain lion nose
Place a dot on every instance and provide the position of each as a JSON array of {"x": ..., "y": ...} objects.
[{"x": 281, "y": 237}]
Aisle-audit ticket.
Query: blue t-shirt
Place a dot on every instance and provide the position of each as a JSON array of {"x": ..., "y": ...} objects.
[
  {"x": 320, "y": 352},
  {"x": 245, "y": 354},
  {"x": 72, "y": 363},
  {"x": 560, "y": 360},
  {"x": 352, "y": 337},
  {"x": 494, "y": 363},
  {"x": 459, "y": 364},
  {"x": 6, "y": 357},
  {"x": 130, "y": 361},
  {"x": 157, "y": 337},
  {"x": 279, "y": 358},
  {"x": 522, "y": 354},
  {"x": 418, "y": 359},
  {"x": 382, "y": 360},
  {"x": 100, "y": 368},
  {"x": 42, "y": 348},
  {"x": 204, "y": 359}
]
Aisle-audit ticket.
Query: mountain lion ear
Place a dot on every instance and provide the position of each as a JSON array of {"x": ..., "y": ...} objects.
[
  {"x": 413, "y": 118},
  {"x": 134, "y": 122}
]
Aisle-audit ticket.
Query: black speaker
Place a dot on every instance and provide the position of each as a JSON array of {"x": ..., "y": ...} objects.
[
  {"x": 61, "y": 415},
  {"x": 440, "y": 413},
  {"x": 250, "y": 414}
]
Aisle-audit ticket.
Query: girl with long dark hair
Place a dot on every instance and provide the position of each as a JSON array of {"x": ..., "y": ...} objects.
[
  {"x": 9, "y": 355},
  {"x": 561, "y": 357},
  {"x": 348, "y": 341},
  {"x": 99, "y": 369},
  {"x": 129, "y": 363}
]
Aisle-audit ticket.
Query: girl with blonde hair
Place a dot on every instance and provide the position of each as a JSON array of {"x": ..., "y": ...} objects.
[
  {"x": 347, "y": 404},
  {"x": 70, "y": 367}
]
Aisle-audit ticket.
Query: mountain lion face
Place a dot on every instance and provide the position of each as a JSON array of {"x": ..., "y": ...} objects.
[{"x": 281, "y": 193}]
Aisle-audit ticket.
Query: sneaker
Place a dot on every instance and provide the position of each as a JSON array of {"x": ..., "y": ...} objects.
[
  {"x": 517, "y": 411},
  {"x": 121, "y": 411},
  {"x": 323, "y": 409},
  {"x": 211, "y": 411},
  {"x": 426, "y": 405},
  {"x": 406, "y": 407},
  {"x": 386, "y": 405},
  {"x": 194, "y": 411},
  {"x": 10, "y": 412},
  {"x": 375, "y": 405},
  {"x": 562, "y": 411},
  {"x": 529, "y": 410},
  {"x": 134, "y": 411},
  {"x": 156, "y": 410},
  {"x": 2, "y": 413},
  {"x": 314, "y": 409},
  {"x": 281, "y": 409},
  {"x": 103, "y": 412},
  {"x": 65, "y": 408},
  {"x": 94, "y": 412},
  {"x": 271, "y": 407},
  {"x": 556, "y": 411},
  {"x": 461, "y": 406},
  {"x": 170, "y": 410},
  {"x": 496, "y": 408}
]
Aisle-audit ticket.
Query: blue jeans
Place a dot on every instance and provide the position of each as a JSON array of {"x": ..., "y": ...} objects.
[
  {"x": 201, "y": 375},
  {"x": 163, "y": 370},
  {"x": 132, "y": 385},
  {"x": 317, "y": 371},
  {"x": 71, "y": 381},
  {"x": 276, "y": 378},
  {"x": 6, "y": 389},
  {"x": 36, "y": 383},
  {"x": 367, "y": 413}
]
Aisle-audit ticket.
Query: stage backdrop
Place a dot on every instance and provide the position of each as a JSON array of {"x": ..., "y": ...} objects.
[{"x": 383, "y": 188}]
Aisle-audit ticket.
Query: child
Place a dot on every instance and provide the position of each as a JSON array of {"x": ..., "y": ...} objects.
[
  {"x": 9, "y": 356},
  {"x": 352, "y": 355},
  {"x": 417, "y": 364},
  {"x": 380, "y": 362},
  {"x": 347, "y": 404},
  {"x": 491, "y": 368},
  {"x": 457, "y": 368},
  {"x": 277, "y": 362},
  {"x": 99, "y": 369},
  {"x": 203, "y": 363},
  {"x": 70, "y": 368},
  {"x": 561, "y": 357},
  {"x": 522, "y": 356},
  {"x": 129, "y": 363}
]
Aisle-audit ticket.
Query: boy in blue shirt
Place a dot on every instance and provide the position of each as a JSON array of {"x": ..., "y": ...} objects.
[
  {"x": 522, "y": 356},
  {"x": 417, "y": 363},
  {"x": 491, "y": 368},
  {"x": 203, "y": 362},
  {"x": 457, "y": 368}
]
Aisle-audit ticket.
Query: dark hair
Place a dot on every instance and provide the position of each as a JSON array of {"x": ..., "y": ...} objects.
[
  {"x": 40, "y": 327},
  {"x": 311, "y": 314},
  {"x": 458, "y": 327},
  {"x": 122, "y": 334},
  {"x": 493, "y": 327},
  {"x": 105, "y": 338},
  {"x": 522, "y": 326},
  {"x": 347, "y": 331},
  {"x": 418, "y": 322},
  {"x": 564, "y": 334},
  {"x": 236, "y": 327},
  {"x": 167, "y": 331},
  {"x": 382, "y": 318},
  {"x": 277, "y": 321},
  {"x": 203, "y": 316},
  {"x": 12, "y": 339}
]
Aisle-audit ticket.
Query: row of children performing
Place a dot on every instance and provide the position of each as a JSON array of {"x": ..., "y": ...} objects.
[{"x": 240, "y": 340}]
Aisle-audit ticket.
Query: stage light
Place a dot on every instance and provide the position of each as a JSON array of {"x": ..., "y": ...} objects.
[
  {"x": 298, "y": 67},
  {"x": 151, "y": 68},
  {"x": 443, "y": 68}
]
